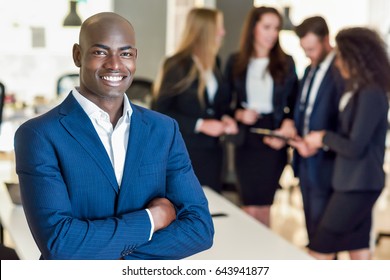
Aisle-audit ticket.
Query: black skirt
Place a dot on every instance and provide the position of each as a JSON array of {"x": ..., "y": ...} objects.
[
  {"x": 259, "y": 167},
  {"x": 346, "y": 223}
]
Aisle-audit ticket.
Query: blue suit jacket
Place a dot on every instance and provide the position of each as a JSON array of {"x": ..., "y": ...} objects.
[
  {"x": 74, "y": 206},
  {"x": 323, "y": 117}
]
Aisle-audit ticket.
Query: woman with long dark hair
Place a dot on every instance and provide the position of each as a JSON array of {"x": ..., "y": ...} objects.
[{"x": 263, "y": 80}]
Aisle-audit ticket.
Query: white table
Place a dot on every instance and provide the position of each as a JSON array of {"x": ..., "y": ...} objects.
[
  {"x": 14, "y": 222},
  {"x": 238, "y": 236}
]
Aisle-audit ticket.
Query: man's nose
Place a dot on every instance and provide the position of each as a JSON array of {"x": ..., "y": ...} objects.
[{"x": 113, "y": 62}]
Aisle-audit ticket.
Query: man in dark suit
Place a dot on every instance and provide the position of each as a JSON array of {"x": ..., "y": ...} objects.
[
  {"x": 316, "y": 109},
  {"x": 102, "y": 178}
]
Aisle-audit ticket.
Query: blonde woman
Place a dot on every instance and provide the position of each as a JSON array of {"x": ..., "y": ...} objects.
[{"x": 190, "y": 89}]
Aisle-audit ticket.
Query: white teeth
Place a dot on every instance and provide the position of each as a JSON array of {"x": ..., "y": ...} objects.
[{"x": 112, "y": 78}]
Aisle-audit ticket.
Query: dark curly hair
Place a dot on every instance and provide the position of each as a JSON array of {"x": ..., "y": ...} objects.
[{"x": 364, "y": 53}]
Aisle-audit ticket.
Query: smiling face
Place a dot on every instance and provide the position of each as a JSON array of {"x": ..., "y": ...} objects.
[
  {"x": 266, "y": 32},
  {"x": 106, "y": 57}
]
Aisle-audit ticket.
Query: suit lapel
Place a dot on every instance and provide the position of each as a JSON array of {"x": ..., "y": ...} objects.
[
  {"x": 138, "y": 139},
  {"x": 326, "y": 83},
  {"x": 78, "y": 124},
  {"x": 297, "y": 111},
  {"x": 241, "y": 85}
]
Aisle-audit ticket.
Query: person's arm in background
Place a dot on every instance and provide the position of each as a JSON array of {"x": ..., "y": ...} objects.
[
  {"x": 371, "y": 108},
  {"x": 223, "y": 102},
  {"x": 241, "y": 112},
  {"x": 287, "y": 127},
  {"x": 166, "y": 102},
  {"x": 167, "y": 93}
]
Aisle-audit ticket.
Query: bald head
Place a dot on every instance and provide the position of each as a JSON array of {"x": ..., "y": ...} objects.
[
  {"x": 106, "y": 56},
  {"x": 104, "y": 21}
]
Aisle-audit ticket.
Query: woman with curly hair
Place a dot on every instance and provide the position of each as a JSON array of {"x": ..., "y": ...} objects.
[{"x": 359, "y": 144}]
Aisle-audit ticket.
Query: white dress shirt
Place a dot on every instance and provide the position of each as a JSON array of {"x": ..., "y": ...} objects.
[
  {"x": 259, "y": 86},
  {"x": 211, "y": 91},
  {"x": 211, "y": 85},
  {"x": 322, "y": 69},
  {"x": 114, "y": 139}
]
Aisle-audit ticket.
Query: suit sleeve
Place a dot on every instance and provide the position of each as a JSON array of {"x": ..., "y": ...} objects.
[
  {"x": 225, "y": 101},
  {"x": 193, "y": 229},
  {"x": 229, "y": 82},
  {"x": 292, "y": 90},
  {"x": 57, "y": 231},
  {"x": 370, "y": 110}
]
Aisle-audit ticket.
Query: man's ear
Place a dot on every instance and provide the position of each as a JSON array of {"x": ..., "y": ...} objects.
[{"x": 77, "y": 55}]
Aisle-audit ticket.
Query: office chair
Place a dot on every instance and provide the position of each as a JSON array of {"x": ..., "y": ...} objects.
[
  {"x": 2, "y": 100},
  {"x": 140, "y": 92},
  {"x": 66, "y": 83}
]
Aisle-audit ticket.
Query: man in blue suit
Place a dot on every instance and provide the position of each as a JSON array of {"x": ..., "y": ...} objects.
[
  {"x": 102, "y": 178},
  {"x": 317, "y": 107}
]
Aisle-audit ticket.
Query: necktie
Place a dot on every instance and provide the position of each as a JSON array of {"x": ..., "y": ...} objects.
[{"x": 304, "y": 101}]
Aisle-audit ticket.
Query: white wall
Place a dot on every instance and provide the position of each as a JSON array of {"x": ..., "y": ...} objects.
[
  {"x": 338, "y": 14},
  {"x": 177, "y": 11},
  {"x": 28, "y": 71},
  {"x": 149, "y": 20}
]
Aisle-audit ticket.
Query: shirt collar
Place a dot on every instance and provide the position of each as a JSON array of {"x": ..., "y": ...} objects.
[
  {"x": 324, "y": 65},
  {"x": 91, "y": 109}
]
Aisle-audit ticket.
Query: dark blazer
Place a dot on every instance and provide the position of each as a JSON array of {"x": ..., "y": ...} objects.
[
  {"x": 323, "y": 117},
  {"x": 360, "y": 142},
  {"x": 74, "y": 206},
  {"x": 185, "y": 107},
  {"x": 284, "y": 94}
]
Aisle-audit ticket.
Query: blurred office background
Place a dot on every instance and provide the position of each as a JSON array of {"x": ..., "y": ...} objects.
[{"x": 36, "y": 50}]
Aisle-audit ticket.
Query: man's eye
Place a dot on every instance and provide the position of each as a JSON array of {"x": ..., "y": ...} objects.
[
  {"x": 99, "y": 52},
  {"x": 130, "y": 54}
]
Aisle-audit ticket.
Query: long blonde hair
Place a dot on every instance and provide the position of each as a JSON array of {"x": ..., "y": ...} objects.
[{"x": 198, "y": 41}]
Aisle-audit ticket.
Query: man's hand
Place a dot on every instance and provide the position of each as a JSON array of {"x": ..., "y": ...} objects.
[
  {"x": 163, "y": 213},
  {"x": 287, "y": 129},
  {"x": 314, "y": 139},
  {"x": 302, "y": 147},
  {"x": 274, "y": 143}
]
